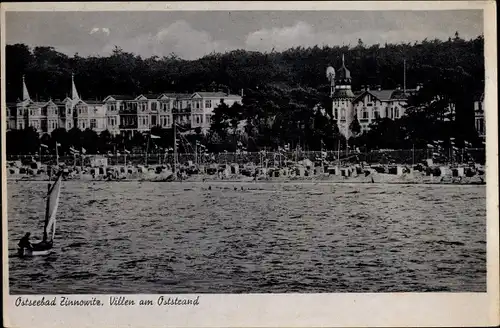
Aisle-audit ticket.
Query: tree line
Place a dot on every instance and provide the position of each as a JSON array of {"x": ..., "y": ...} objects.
[{"x": 285, "y": 98}]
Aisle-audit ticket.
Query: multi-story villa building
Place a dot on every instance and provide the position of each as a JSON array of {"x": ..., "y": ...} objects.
[
  {"x": 203, "y": 105},
  {"x": 366, "y": 105},
  {"x": 119, "y": 114},
  {"x": 118, "y": 117},
  {"x": 84, "y": 114}
]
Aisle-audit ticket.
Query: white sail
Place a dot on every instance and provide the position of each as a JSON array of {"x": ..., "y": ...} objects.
[{"x": 52, "y": 204}]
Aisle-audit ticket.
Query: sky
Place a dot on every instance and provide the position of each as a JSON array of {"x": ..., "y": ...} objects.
[{"x": 191, "y": 35}]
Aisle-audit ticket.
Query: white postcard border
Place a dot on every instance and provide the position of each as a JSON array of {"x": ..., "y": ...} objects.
[{"x": 294, "y": 310}]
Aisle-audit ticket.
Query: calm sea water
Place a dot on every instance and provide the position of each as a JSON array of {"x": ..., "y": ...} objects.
[{"x": 146, "y": 237}]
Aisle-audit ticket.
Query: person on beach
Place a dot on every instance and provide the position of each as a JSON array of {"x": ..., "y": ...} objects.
[{"x": 25, "y": 242}]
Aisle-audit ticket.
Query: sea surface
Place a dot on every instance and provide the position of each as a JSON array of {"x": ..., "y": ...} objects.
[{"x": 147, "y": 237}]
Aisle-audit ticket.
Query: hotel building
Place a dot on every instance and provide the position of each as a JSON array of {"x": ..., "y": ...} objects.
[{"x": 367, "y": 105}]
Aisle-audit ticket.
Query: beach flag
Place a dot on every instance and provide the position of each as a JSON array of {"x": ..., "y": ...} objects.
[
  {"x": 73, "y": 150},
  {"x": 126, "y": 151},
  {"x": 484, "y": 142},
  {"x": 467, "y": 144},
  {"x": 430, "y": 146},
  {"x": 455, "y": 148},
  {"x": 110, "y": 153},
  {"x": 155, "y": 137},
  {"x": 452, "y": 138},
  {"x": 58, "y": 144},
  {"x": 118, "y": 154},
  {"x": 44, "y": 146},
  {"x": 84, "y": 150},
  {"x": 287, "y": 147},
  {"x": 323, "y": 154}
]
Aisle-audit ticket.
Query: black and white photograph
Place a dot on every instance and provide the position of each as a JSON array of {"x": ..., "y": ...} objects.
[{"x": 271, "y": 151}]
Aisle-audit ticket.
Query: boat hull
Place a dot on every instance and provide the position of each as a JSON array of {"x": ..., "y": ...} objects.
[
  {"x": 40, "y": 249},
  {"x": 29, "y": 253}
]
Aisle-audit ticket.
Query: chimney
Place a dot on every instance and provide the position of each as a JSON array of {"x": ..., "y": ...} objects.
[{"x": 241, "y": 92}]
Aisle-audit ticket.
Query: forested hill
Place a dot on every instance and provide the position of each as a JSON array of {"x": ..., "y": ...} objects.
[{"x": 48, "y": 72}]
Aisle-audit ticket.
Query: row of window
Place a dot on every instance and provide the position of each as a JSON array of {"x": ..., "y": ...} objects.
[
  {"x": 198, "y": 119},
  {"x": 480, "y": 127},
  {"x": 392, "y": 113}
]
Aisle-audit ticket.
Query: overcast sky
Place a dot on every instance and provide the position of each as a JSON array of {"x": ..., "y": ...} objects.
[{"x": 191, "y": 35}]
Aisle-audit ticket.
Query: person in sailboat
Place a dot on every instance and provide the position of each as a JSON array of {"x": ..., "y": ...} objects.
[{"x": 25, "y": 242}]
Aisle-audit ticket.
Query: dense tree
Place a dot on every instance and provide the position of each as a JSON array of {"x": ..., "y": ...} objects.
[
  {"x": 354, "y": 126},
  {"x": 281, "y": 91}
]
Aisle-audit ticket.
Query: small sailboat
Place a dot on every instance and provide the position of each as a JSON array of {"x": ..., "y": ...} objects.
[{"x": 49, "y": 230}]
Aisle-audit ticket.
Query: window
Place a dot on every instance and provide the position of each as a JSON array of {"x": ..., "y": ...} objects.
[
  {"x": 376, "y": 114},
  {"x": 93, "y": 123},
  {"x": 153, "y": 105},
  {"x": 396, "y": 113},
  {"x": 364, "y": 114},
  {"x": 342, "y": 114},
  {"x": 208, "y": 103},
  {"x": 31, "y": 112},
  {"x": 197, "y": 119},
  {"x": 153, "y": 120},
  {"x": 208, "y": 117}
]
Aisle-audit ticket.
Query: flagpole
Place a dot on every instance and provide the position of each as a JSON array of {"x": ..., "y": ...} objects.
[
  {"x": 413, "y": 154},
  {"x": 196, "y": 152},
  {"x": 57, "y": 154},
  {"x": 175, "y": 148},
  {"x": 40, "y": 153}
]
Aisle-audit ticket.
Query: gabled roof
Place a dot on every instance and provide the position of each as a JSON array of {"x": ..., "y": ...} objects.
[
  {"x": 219, "y": 94},
  {"x": 174, "y": 95},
  {"x": 93, "y": 102},
  {"x": 385, "y": 95},
  {"x": 118, "y": 97},
  {"x": 148, "y": 96}
]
